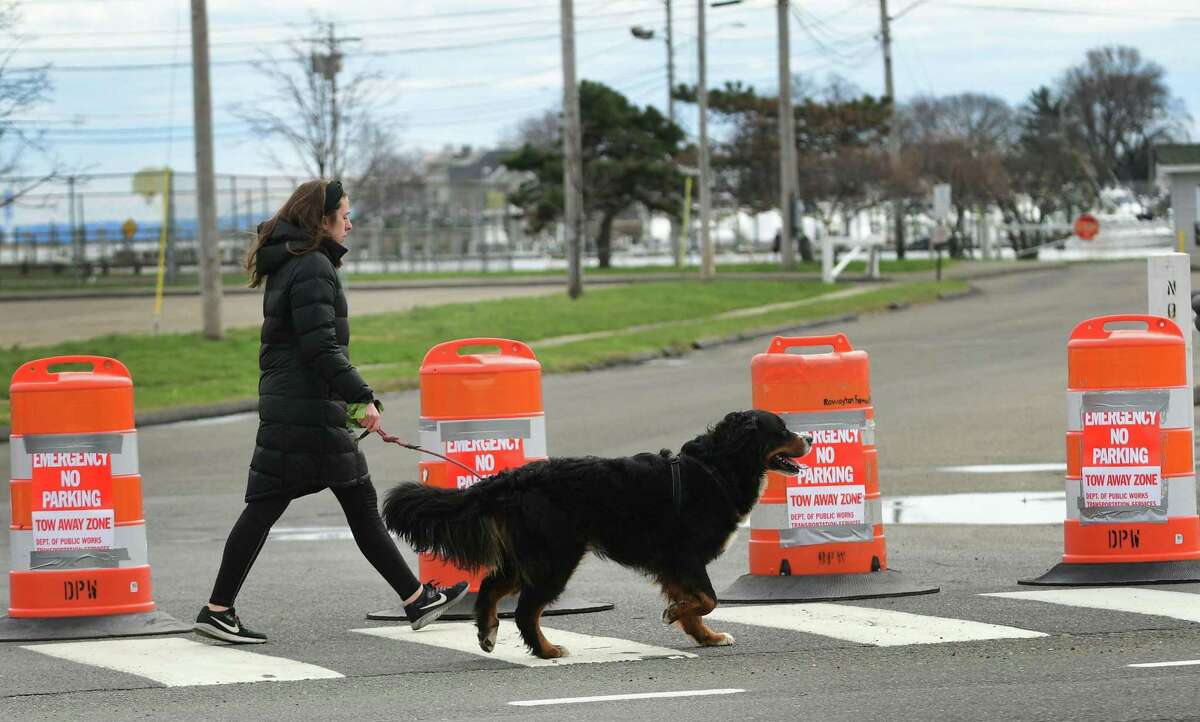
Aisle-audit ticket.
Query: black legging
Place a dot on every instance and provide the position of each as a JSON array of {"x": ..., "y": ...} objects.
[{"x": 362, "y": 513}]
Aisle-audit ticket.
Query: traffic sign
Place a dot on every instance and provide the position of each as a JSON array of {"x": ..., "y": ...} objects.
[
  {"x": 128, "y": 229},
  {"x": 1086, "y": 226}
]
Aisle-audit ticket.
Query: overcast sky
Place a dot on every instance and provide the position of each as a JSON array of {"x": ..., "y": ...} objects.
[{"x": 466, "y": 71}]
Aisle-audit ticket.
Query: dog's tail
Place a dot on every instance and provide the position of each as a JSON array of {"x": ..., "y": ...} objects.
[{"x": 451, "y": 524}]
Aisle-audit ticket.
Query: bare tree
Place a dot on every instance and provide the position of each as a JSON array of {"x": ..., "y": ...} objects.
[
  {"x": 982, "y": 122},
  {"x": 20, "y": 90},
  {"x": 1120, "y": 106},
  {"x": 331, "y": 123},
  {"x": 539, "y": 131},
  {"x": 961, "y": 140}
]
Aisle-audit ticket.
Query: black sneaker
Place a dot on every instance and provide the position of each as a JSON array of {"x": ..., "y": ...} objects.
[
  {"x": 433, "y": 602},
  {"x": 225, "y": 625}
]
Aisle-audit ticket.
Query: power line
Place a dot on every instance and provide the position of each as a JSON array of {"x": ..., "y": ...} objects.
[
  {"x": 123, "y": 67},
  {"x": 457, "y": 29},
  {"x": 1065, "y": 11},
  {"x": 347, "y": 21}
]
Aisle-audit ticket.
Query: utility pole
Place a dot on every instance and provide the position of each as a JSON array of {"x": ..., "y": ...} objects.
[
  {"x": 889, "y": 90},
  {"x": 787, "y": 143},
  {"x": 328, "y": 65},
  {"x": 572, "y": 156},
  {"x": 206, "y": 207},
  {"x": 670, "y": 65},
  {"x": 708, "y": 266}
]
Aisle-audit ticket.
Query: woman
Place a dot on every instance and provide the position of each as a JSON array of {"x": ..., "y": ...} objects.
[{"x": 307, "y": 392}]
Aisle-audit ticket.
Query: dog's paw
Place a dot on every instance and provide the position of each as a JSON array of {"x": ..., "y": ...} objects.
[
  {"x": 670, "y": 615},
  {"x": 719, "y": 639},
  {"x": 488, "y": 642},
  {"x": 554, "y": 651}
]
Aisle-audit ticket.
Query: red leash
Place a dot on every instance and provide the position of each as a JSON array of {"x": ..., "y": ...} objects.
[{"x": 400, "y": 442}]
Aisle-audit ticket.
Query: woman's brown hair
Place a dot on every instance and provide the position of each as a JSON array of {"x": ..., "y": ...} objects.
[{"x": 304, "y": 210}]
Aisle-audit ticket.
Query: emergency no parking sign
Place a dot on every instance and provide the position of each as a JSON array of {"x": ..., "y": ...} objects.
[
  {"x": 830, "y": 488},
  {"x": 72, "y": 504},
  {"x": 1122, "y": 458},
  {"x": 485, "y": 456}
]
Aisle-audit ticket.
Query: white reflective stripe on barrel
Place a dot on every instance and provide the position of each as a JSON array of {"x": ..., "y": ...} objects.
[
  {"x": 802, "y": 421},
  {"x": 1179, "y": 495},
  {"x": 122, "y": 446},
  {"x": 128, "y": 550},
  {"x": 775, "y": 517},
  {"x": 1179, "y": 412},
  {"x": 434, "y": 433}
]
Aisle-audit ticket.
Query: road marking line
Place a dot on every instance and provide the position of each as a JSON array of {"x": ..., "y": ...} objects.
[
  {"x": 1156, "y": 602},
  {"x": 1003, "y": 468},
  {"x": 1181, "y": 663},
  {"x": 619, "y": 697},
  {"x": 310, "y": 533},
  {"x": 582, "y": 648},
  {"x": 177, "y": 662},
  {"x": 214, "y": 420},
  {"x": 865, "y": 625}
]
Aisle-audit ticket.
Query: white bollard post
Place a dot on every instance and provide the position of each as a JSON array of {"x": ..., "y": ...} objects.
[
  {"x": 827, "y": 259},
  {"x": 1169, "y": 283}
]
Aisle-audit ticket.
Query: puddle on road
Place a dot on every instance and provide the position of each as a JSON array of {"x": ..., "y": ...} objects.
[
  {"x": 1004, "y": 507},
  {"x": 1056, "y": 467}
]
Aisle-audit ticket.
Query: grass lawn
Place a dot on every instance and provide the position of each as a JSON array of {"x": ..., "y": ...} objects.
[{"x": 183, "y": 369}]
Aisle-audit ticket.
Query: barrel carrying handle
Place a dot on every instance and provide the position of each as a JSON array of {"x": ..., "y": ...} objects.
[
  {"x": 40, "y": 370},
  {"x": 449, "y": 351},
  {"x": 1098, "y": 327},
  {"x": 838, "y": 341}
]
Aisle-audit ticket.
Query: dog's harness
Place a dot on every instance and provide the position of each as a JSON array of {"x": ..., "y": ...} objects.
[
  {"x": 677, "y": 482},
  {"x": 676, "y": 485}
]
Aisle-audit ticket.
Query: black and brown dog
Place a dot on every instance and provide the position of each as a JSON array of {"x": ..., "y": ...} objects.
[{"x": 666, "y": 515}]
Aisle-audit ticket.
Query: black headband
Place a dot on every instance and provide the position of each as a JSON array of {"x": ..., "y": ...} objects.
[{"x": 333, "y": 196}]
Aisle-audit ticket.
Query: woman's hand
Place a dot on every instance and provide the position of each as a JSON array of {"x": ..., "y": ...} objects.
[{"x": 370, "y": 420}]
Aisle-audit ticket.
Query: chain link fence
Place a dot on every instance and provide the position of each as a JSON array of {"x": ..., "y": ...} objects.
[{"x": 89, "y": 226}]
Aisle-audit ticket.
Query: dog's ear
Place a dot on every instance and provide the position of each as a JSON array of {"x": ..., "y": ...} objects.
[
  {"x": 740, "y": 420},
  {"x": 745, "y": 421}
]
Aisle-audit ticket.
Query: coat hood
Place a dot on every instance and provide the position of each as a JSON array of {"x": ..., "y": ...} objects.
[{"x": 287, "y": 241}]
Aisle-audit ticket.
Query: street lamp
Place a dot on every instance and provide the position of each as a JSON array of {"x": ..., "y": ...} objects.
[{"x": 643, "y": 33}]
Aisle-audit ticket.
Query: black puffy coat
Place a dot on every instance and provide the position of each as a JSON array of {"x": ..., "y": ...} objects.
[{"x": 305, "y": 378}]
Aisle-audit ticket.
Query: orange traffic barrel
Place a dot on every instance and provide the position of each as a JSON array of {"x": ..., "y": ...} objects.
[
  {"x": 1131, "y": 481},
  {"x": 80, "y": 566},
  {"x": 481, "y": 406},
  {"x": 819, "y": 534}
]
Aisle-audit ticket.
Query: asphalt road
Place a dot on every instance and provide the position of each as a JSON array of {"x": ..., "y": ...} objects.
[{"x": 973, "y": 381}]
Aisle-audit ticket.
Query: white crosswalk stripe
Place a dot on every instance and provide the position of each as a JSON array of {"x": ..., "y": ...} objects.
[
  {"x": 583, "y": 648},
  {"x": 178, "y": 662},
  {"x": 1157, "y": 602},
  {"x": 865, "y": 625}
]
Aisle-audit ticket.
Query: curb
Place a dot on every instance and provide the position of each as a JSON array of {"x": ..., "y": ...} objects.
[
  {"x": 159, "y": 417},
  {"x": 984, "y": 273}
]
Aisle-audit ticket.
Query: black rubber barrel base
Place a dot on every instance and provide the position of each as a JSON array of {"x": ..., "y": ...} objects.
[
  {"x": 1117, "y": 573},
  {"x": 751, "y": 589},
  {"x": 22, "y": 629}
]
